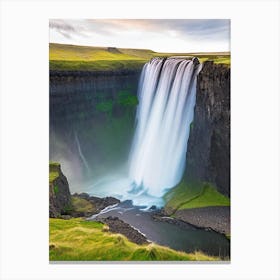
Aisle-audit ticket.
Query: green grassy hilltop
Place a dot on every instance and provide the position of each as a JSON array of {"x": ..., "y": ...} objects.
[
  {"x": 84, "y": 58},
  {"x": 70, "y": 57}
]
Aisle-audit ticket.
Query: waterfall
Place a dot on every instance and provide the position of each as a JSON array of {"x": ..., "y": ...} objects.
[
  {"x": 81, "y": 153},
  {"x": 167, "y": 93}
]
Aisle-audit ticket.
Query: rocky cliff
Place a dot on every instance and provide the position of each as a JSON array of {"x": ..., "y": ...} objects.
[
  {"x": 59, "y": 193},
  {"x": 75, "y": 96},
  {"x": 91, "y": 121},
  {"x": 208, "y": 155}
]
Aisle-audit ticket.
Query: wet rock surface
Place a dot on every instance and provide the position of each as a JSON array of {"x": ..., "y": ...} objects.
[
  {"x": 116, "y": 225},
  {"x": 97, "y": 203},
  {"x": 214, "y": 217},
  {"x": 101, "y": 203},
  {"x": 171, "y": 220}
]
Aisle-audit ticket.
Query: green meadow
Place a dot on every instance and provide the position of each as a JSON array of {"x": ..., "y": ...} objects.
[{"x": 84, "y": 58}]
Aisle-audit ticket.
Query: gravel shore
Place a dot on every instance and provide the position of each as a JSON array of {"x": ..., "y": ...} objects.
[{"x": 214, "y": 217}]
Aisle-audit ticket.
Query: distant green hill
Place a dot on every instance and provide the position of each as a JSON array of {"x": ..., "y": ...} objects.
[
  {"x": 71, "y": 57},
  {"x": 83, "y": 53}
]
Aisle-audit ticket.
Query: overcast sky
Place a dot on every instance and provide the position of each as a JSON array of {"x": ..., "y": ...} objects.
[{"x": 162, "y": 35}]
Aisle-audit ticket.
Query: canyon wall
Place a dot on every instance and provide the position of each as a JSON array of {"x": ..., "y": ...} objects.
[
  {"x": 75, "y": 95},
  {"x": 208, "y": 155},
  {"x": 98, "y": 109},
  {"x": 92, "y": 116}
]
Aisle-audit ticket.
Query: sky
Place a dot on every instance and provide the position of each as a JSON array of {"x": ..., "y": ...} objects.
[{"x": 161, "y": 35}]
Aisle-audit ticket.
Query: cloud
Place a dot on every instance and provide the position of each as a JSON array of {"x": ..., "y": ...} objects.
[
  {"x": 68, "y": 28},
  {"x": 195, "y": 28},
  {"x": 185, "y": 34}
]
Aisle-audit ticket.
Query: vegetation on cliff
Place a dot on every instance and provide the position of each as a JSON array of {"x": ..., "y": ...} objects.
[
  {"x": 82, "y": 205},
  {"x": 85, "y": 58},
  {"x": 53, "y": 171},
  {"x": 193, "y": 195},
  {"x": 79, "y": 240},
  {"x": 200, "y": 204}
]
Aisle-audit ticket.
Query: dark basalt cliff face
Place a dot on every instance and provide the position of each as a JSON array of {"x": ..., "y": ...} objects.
[
  {"x": 208, "y": 155},
  {"x": 59, "y": 193},
  {"x": 92, "y": 116},
  {"x": 74, "y": 95}
]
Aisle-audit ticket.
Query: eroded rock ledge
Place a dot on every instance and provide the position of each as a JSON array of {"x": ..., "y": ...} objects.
[{"x": 216, "y": 218}]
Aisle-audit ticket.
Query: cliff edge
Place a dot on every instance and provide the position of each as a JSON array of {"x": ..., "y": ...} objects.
[{"x": 208, "y": 155}]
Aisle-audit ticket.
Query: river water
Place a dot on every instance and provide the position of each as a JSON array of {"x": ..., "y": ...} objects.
[{"x": 183, "y": 238}]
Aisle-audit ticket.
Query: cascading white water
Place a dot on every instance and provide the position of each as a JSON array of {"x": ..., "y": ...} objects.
[{"x": 167, "y": 93}]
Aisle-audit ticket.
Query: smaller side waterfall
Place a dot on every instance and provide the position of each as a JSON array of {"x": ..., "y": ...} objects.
[
  {"x": 81, "y": 153},
  {"x": 167, "y": 93}
]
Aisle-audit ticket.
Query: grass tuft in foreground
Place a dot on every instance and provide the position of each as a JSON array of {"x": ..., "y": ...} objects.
[{"x": 79, "y": 240}]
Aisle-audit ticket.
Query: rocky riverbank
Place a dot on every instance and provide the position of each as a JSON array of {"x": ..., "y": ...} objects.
[
  {"x": 66, "y": 206},
  {"x": 116, "y": 225},
  {"x": 216, "y": 218},
  {"x": 85, "y": 205}
]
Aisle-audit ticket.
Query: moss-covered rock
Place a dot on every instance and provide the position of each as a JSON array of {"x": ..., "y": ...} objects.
[
  {"x": 85, "y": 205},
  {"x": 59, "y": 193}
]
